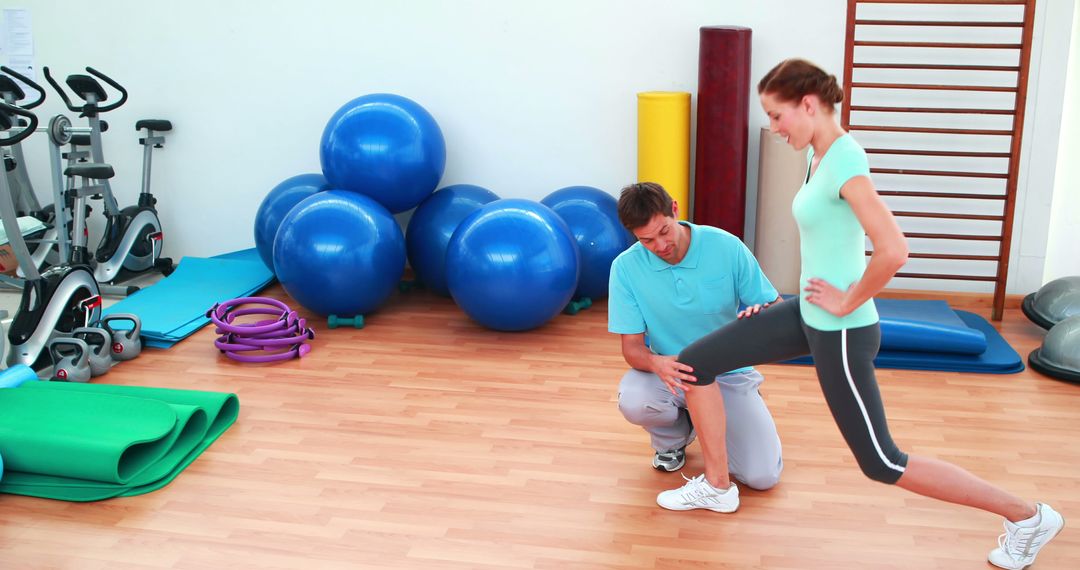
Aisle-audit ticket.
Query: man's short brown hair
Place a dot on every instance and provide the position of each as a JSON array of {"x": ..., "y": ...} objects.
[{"x": 640, "y": 203}]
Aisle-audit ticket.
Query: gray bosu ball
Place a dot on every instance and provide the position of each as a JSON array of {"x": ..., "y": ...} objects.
[
  {"x": 1053, "y": 302},
  {"x": 1059, "y": 355}
]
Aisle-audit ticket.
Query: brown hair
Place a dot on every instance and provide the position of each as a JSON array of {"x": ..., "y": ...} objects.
[
  {"x": 640, "y": 203},
  {"x": 792, "y": 79}
]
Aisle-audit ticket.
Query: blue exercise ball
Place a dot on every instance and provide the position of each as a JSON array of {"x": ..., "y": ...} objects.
[
  {"x": 276, "y": 204},
  {"x": 512, "y": 265},
  {"x": 593, "y": 218},
  {"x": 339, "y": 253},
  {"x": 386, "y": 147},
  {"x": 432, "y": 225}
]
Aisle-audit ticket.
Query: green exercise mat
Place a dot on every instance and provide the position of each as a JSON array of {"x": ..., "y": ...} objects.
[{"x": 87, "y": 442}]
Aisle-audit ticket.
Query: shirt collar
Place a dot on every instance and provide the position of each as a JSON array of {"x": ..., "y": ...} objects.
[{"x": 689, "y": 261}]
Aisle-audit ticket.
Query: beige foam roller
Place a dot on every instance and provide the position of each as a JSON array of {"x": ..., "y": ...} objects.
[{"x": 781, "y": 170}]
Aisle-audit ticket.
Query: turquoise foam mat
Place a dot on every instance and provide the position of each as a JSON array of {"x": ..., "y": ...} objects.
[{"x": 175, "y": 307}]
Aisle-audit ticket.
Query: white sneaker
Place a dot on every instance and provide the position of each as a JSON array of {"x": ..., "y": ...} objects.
[
  {"x": 697, "y": 493},
  {"x": 1018, "y": 546}
]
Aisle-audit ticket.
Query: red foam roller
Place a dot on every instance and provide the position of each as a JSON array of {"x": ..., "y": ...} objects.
[{"x": 722, "y": 128}]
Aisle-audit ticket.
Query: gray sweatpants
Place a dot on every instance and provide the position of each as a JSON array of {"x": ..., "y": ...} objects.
[{"x": 753, "y": 446}]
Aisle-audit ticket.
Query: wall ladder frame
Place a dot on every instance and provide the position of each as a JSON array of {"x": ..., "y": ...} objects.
[{"x": 952, "y": 130}]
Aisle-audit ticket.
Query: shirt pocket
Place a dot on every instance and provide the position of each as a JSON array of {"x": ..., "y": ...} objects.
[{"x": 717, "y": 296}]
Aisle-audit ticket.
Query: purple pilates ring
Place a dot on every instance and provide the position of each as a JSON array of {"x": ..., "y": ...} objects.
[{"x": 283, "y": 337}]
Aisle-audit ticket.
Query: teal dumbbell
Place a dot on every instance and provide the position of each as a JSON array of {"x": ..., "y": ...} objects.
[
  {"x": 335, "y": 321},
  {"x": 578, "y": 305}
]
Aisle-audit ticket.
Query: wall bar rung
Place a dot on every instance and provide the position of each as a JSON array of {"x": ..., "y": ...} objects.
[
  {"x": 964, "y": 237},
  {"x": 929, "y": 130},
  {"x": 947, "y": 216},
  {"x": 955, "y": 111},
  {"x": 953, "y": 256},
  {"x": 945, "y": 276},
  {"x": 928, "y": 87},
  {"x": 958, "y": 154},
  {"x": 936, "y": 66},
  {"x": 948, "y": 45},
  {"x": 949, "y": 195},
  {"x": 950, "y": 173},
  {"x": 939, "y": 23},
  {"x": 956, "y": 2}
]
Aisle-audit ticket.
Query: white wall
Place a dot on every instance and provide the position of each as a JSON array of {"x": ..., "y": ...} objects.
[
  {"x": 1062, "y": 258},
  {"x": 531, "y": 96}
]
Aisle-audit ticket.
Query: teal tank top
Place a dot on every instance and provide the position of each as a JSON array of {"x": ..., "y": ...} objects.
[{"x": 833, "y": 242}]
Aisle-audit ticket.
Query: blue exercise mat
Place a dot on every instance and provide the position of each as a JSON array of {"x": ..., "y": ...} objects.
[
  {"x": 998, "y": 358},
  {"x": 926, "y": 326},
  {"x": 175, "y": 307}
]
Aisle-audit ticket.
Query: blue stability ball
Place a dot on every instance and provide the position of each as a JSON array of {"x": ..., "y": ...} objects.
[
  {"x": 512, "y": 265},
  {"x": 386, "y": 147},
  {"x": 593, "y": 219},
  {"x": 432, "y": 225},
  {"x": 276, "y": 204},
  {"x": 339, "y": 253}
]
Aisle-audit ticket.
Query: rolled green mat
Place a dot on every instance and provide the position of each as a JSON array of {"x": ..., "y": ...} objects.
[{"x": 86, "y": 442}]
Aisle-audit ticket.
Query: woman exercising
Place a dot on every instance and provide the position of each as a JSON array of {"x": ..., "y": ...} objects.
[{"x": 834, "y": 318}]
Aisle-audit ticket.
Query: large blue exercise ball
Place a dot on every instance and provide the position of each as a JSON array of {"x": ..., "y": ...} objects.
[
  {"x": 276, "y": 204},
  {"x": 512, "y": 265},
  {"x": 593, "y": 218},
  {"x": 431, "y": 227},
  {"x": 386, "y": 147},
  {"x": 339, "y": 253}
]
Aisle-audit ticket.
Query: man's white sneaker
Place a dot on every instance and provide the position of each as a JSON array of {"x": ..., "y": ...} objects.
[
  {"x": 1018, "y": 546},
  {"x": 697, "y": 493}
]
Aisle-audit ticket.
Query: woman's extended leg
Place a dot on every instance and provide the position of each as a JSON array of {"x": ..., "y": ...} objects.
[{"x": 844, "y": 361}]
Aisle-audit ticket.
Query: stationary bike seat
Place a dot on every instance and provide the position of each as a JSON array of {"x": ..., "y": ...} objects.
[
  {"x": 160, "y": 125},
  {"x": 94, "y": 170}
]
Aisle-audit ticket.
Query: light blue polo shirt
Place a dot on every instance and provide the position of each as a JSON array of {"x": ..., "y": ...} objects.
[{"x": 678, "y": 304}]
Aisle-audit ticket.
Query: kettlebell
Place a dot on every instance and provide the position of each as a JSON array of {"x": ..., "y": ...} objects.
[
  {"x": 70, "y": 357},
  {"x": 126, "y": 344},
  {"x": 100, "y": 342}
]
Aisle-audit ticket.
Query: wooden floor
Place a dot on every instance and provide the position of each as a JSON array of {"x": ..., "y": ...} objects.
[{"x": 425, "y": 441}]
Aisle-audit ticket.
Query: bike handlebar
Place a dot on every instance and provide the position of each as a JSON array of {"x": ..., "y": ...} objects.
[
  {"x": 30, "y": 83},
  {"x": 27, "y": 131},
  {"x": 115, "y": 85},
  {"x": 85, "y": 109}
]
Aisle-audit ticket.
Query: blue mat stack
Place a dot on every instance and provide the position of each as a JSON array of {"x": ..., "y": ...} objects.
[
  {"x": 929, "y": 335},
  {"x": 175, "y": 307}
]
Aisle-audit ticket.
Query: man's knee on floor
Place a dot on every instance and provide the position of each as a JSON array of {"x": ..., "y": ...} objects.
[{"x": 762, "y": 481}]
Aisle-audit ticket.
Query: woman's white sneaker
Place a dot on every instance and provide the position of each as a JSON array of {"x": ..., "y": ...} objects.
[
  {"x": 1019, "y": 545},
  {"x": 697, "y": 493}
]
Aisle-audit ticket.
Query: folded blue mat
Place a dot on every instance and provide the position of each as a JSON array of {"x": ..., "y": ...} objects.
[
  {"x": 175, "y": 307},
  {"x": 926, "y": 326},
  {"x": 998, "y": 358}
]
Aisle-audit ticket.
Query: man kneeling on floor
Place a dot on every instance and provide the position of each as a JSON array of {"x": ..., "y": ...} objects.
[{"x": 678, "y": 283}]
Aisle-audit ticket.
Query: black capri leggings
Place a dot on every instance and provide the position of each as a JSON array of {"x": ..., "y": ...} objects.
[{"x": 844, "y": 361}]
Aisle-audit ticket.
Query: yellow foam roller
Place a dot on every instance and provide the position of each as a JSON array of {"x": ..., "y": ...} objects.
[{"x": 664, "y": 144}]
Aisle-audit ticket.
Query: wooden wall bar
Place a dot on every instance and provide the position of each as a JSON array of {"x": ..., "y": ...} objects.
[{"x": 935, "y": 91}]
